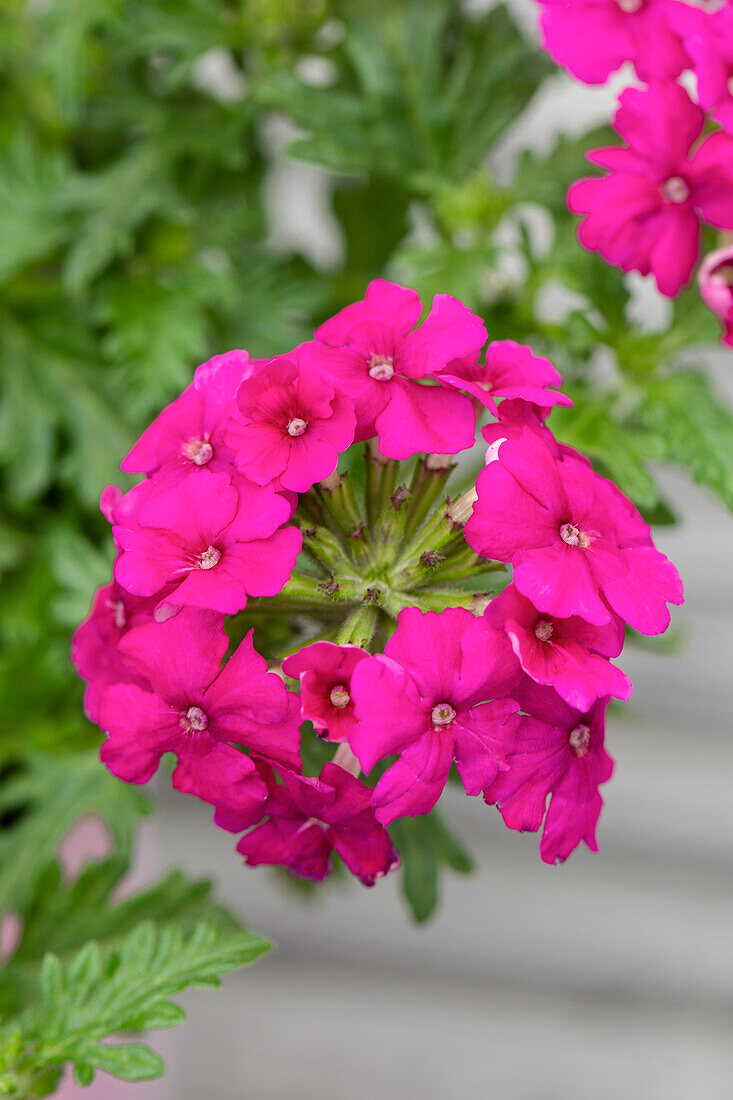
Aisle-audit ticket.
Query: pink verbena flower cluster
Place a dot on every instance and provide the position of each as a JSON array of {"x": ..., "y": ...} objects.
[
  {"x": 673, "y": 176},
  {"x": 411, "y": 664}
]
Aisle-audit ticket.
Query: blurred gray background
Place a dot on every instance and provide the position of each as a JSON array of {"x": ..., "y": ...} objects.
[{"x": 608, "y": 977}]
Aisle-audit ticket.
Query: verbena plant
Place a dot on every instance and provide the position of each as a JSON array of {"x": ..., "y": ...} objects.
[{"x": 136, "y": 149}]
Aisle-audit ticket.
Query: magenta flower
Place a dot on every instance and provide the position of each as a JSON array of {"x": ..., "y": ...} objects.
[
  {"x": 382, "y": 357},
  {"x": 293, "y": 423},
  {"x": 708, "y": 39},
  {"x": 556, "y": 751},
  {"x": 426, "y": 699},
  {"x": 592, "y": 38},
  {"x": 196, "y": 709},
  {"x": 309, "y": 818},
  {"x": 95, "y": 651},
  {"x": 715, "y": 280},
  {"x": 571, "y": 655},
  {"x": 575, "y": 543},
  {"x": 645, "y": 214},
  {"x": 324, "y": 671},
  {"x": 511, "y": 371},
  {"x": 217, "y": 542},
  {"x": 189, "y": 434}
]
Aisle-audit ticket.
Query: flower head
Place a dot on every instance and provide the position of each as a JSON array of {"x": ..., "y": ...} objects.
[
  {"x": 715, "y": 280},
  {"x": 577, "y": 546},
  {"x": 428, "y": 699},
  {"x": 382, "y": 359},
  {"x": 645, "y": 214},
  {"x": 216, "y": 542},
  {"x": 570, "y": 654},
  {"x": 188, "y": 435},
  {"x": 325, "y": 671},
  {"x": 292, "y": 424},
  {"x": 197, "y": 709},
  {"x": 592, "y": 38},
  {"x": 308, "y": 819},
  {"x": 513, "y": 372},
  {"x": 555, "y": 751}
]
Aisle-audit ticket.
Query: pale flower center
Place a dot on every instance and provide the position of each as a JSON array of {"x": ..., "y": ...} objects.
[
  {"x": 573, "y": 536},
  {"x": 579, "y": 740},
  {"x": 198, "y": 451},
  {"x": 675, "y": 190},
  {"x": 381, "y": 368},
  {"x": 630, "y": 6},
  {"x": 296, "y": 427},
  {"x": 196, "y": 719},
  {"x": 339, "y": 696},
  {"x": 210, "y": 557},
  {"x": 442, "y": 714},
  {"x": 118, "y": 613},
  {"x": 544, "y": 630}
]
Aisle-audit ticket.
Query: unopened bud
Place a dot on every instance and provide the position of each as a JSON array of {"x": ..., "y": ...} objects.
[{"x": 460, "y": 510}]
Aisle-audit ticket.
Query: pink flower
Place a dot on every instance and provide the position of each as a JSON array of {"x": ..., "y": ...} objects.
[
  {"x": 715, "y": 280},
  {"x": 645, "y": 214},
  {"x": 708, "y": 39},
  {"x": 293, "y": 423},
  {"x": 325, "y": 671},
  {"x": 196, "y": 709},
  {"x": 310, "y": 818},
  {"x": 426, "y": 700},
  {"x": 575, "y": 543},
  {"x": 594, "y": 37},
  {"x": 382, "y": 357},
  {"x": 189, "y": 434},
  {"x": 95, "y": 651},
  {"x": 512, "y": 371},
  {"x": 217, "y": 542},
  {"x": 556, "y": 751},
  {"x": 571, "y": 655}
]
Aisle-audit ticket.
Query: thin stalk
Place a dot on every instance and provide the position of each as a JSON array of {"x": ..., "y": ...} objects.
[
  {"x": 359, "y": 626},
  {"x": 427, "y": 485}
]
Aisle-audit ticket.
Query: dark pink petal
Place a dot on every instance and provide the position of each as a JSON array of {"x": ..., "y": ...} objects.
[
  {"x": 398, "y": 305},
  {"x": 228, "y": 780},
  {"x": 481, "y": 736},
  {"x": 181, "y": 656},
  {"x": 388, "y": 708},
  {"x": 642, "y": 595},
  {"x": 558, "y": 580},
  {"x": 263, "y": 566},
  {"x": 140, "y": 719},
  {"x": 415, "y": 782},
  {"x": 450, "y": 331},
  {"x": 420, "y": 417}
]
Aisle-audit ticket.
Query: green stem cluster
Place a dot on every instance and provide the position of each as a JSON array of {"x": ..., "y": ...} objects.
[{"x": 366, "y": 556}]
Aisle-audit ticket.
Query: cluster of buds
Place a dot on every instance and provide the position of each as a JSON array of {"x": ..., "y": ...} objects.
[{"x": 298, "y": 518}]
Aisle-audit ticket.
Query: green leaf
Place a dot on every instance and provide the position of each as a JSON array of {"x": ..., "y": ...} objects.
[
  {"x": 32, "y": 225},
  {"x": 40, "y": 800},
  {"x": 100, "y": 994},
  {"x": 544, "y": 178},
  {"x": 426, "y": 845},
  {"x": 426, "y": 90},
  {"x": 694, "y": 428}
]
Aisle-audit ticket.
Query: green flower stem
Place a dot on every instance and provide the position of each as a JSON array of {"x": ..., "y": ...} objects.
[
  {"x": 379, "y": 474},
  {"x": 359, "y": 626},
  {"x": 437, "y": 599},
  {"x": 327, "y": 551},
  {"x": 428, "y": 483},
  {"x": 336, "y": 495}
]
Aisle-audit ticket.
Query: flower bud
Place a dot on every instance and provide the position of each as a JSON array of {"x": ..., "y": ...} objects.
[{"x": 715, "y": 280}]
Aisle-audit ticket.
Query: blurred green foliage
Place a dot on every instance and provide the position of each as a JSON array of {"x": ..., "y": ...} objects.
[{"x": 138, "y": 142}]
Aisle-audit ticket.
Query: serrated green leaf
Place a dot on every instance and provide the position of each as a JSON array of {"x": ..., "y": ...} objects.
[
  {"x": 131, "y": 1062},
  {"x": 694, "y": 428},
  {"x": 131, "y": 990}
]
